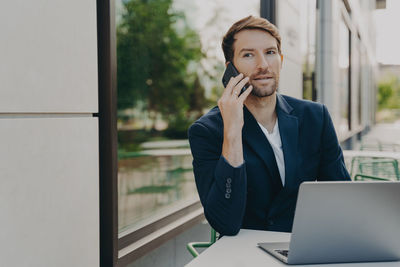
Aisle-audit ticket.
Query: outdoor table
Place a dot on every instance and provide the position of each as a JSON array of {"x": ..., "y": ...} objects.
[{"x": 242, "y": 251}]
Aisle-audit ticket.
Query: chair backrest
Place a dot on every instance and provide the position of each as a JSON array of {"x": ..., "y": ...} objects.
[
  {"x": 193, "y": 245},
  {"x": 382, "y": 168},
  {"x": 377, "y": 145},
  {"x": 371, "y": 145},
  {"x": 364, "y": 177}
]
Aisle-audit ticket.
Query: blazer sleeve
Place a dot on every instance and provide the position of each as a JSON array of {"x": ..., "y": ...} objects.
[
  {"x": 332, "y": 165},
  {"x": 221, "y": 187}
]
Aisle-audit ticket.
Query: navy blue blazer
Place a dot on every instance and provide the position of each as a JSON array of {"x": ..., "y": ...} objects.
[{"x": 251, "y": 196}]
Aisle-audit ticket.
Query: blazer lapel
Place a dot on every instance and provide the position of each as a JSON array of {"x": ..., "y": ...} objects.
[
  {"x": 255, "y": 138},
  {"x": 289, "y": 131}
]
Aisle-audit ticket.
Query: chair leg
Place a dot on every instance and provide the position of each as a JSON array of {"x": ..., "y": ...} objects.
[{"x": 193, "y": 245}]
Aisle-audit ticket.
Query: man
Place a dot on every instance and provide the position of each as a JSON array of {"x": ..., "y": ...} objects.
[{"x": 252, "y": 152}]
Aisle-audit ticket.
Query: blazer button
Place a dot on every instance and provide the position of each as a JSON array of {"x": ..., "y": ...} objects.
[
  {"x": 228, "y": 190},
  {"x": 227, "y": 195},
  {"x": 229, "y": 180}
]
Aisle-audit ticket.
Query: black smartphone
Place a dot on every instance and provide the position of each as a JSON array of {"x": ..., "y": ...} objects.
[{"x": 231, "y": 71}]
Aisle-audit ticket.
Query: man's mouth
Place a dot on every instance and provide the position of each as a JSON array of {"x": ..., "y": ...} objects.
[{"x": 262, "y": 78}]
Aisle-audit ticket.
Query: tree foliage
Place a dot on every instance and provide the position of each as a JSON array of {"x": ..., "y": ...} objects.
[
  {"x": 157, "y": 55},
  {"x": 389, "y": 93}
]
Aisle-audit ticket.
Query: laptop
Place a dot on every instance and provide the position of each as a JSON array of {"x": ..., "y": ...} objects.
[{"x": 341, "y": 222}]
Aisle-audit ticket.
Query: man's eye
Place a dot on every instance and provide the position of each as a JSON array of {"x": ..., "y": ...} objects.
[
  {"x": 271, "y": 52},
  {"x": 248, "y": 55}
]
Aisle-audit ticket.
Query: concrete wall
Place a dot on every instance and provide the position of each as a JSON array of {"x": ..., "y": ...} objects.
[
  {"x": 49, "y": 138},
  {"x": 328, "y": 84}
]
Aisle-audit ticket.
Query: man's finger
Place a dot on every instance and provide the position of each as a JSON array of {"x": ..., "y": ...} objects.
[
  {"x": 239, "y": 86},
  {"x": 227, "y": 90},
  {"x": 246, "y": 93},
  {"x": 231, "y": 84}
]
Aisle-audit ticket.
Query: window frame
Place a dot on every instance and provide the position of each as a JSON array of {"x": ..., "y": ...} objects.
[{"x": 346, "y": 18}]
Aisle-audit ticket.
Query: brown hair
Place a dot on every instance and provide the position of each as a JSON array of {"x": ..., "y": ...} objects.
[{"x": 247, "y": 23}]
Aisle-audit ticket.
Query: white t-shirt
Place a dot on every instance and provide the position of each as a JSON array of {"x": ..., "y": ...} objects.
[{"x": 274, "y": 139}]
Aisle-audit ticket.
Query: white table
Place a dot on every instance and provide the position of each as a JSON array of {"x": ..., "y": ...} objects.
[{"x": 242, "y": 251}]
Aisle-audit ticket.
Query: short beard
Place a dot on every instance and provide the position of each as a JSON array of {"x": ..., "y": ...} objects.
[{"x": 258, "y": 92}]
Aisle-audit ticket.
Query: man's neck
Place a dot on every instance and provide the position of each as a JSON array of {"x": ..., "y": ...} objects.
[{"x": 263, "y": 109}]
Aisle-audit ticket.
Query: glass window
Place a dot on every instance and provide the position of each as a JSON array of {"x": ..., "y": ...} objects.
[
  {"x": 308, "y": 47},
  {"x": 170, "y": 65},
  {"x": 344, "y": 79}
]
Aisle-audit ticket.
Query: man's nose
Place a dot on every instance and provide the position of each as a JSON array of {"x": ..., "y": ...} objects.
[{"x": 262, "y": 62}]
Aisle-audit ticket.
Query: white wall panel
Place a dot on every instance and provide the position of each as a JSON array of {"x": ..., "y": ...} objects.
[
  {"x": 48, "y": 53},
  {"x": 49, "y": 192},
  {"x": 288, "y": 23},
  {"x": 291, "y": 79}
]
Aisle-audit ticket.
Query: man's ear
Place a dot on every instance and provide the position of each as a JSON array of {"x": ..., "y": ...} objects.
[
  {"x": 226, "y": 63},
  {"x": 281, "y": 60}
]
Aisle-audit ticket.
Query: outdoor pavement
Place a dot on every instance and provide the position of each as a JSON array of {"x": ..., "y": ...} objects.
[
  {"x": 385, "y": 135},
  {"x": 382, "y": 141}
]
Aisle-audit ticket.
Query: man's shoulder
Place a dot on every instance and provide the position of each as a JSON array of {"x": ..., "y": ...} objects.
[
  {"x": 213, "y": 116},
  {"x": 296, "y": 102},
  {"x": 212, "y": 120},
  {"x": 302, "y": 105}
]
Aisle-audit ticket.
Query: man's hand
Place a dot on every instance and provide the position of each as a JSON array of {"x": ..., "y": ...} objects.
[{"x": 231, "y": 107}]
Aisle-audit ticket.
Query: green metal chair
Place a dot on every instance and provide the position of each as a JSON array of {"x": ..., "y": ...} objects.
[
  {"x": 377, "y": 145},
  {"x": 364, "y": 177},
  {"x": 371, "y": 145},
  {"x": 369, "y": 167},
  {"x": 193, "y": 245}
]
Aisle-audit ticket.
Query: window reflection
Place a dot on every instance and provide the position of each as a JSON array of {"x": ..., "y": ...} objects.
[{"x": 170, "y": 65}]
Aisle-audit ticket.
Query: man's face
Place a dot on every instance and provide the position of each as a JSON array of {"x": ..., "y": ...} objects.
[{"x": 256, "y": 55}]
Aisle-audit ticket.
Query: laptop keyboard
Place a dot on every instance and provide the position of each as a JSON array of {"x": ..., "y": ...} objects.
[{"x": 283, "y": 252}]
